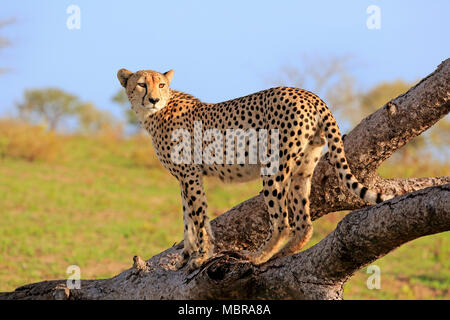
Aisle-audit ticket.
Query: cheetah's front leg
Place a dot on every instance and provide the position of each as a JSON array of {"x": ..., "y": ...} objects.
[{"x": 198, "y": 238}]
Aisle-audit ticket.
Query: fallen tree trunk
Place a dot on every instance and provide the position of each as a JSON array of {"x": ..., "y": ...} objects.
[{"x": 321, "y": 271}]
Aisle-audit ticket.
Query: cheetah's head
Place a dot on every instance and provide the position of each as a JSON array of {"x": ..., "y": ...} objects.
[{"x": 148, "y": 91}]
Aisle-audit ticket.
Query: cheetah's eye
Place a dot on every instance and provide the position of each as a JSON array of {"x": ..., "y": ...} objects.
[
  {"x": 161, "y": 85},
  {"x": 141, "y": 85}
]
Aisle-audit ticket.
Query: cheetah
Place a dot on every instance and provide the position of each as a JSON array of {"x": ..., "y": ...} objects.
[{"x": 303, "y": 124}]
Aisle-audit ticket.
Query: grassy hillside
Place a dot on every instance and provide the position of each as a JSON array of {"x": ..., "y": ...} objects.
[{"x": 97, "y": 202}]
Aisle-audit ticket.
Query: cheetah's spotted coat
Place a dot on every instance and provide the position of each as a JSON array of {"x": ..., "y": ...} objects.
[{"x": 305, "y": 124}]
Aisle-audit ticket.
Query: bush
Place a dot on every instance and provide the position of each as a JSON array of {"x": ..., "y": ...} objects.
[
  {"x": 29, "y": 142},
  {"x": 110, "y": 134},
  {"x": 142, "y": 153}
]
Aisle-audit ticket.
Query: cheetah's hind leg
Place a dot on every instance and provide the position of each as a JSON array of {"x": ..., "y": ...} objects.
[
  {"x": 298, "y": 198},
  {"x": 300, "y": 221},
  {"x": 275, "y": 192}
]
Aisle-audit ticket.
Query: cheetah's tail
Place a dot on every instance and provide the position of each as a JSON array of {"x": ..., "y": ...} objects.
[{"x": 338, "y": 159}]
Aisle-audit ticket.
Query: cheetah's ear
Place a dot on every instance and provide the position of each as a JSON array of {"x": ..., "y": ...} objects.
[
  {"x": 169, "y": 75},
  {"x": 123, "y": 75}
]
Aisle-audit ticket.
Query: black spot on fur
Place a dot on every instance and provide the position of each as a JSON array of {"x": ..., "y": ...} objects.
[
  {"x": 378, "y": 200},
  {"x": 363, "y": 192}
]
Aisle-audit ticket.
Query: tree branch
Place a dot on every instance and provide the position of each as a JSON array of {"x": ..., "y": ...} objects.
[
  {"x": 377, "y": 137},
  {"x": 317, "y": 273},
  {"x": 365, "y": 235}
]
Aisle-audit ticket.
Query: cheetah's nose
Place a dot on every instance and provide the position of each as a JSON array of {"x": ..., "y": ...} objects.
[{"x": 153, "y": 101}]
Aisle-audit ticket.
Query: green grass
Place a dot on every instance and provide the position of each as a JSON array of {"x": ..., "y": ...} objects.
[{"x": 99, "y": 204}]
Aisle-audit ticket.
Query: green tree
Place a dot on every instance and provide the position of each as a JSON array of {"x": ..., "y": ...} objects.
[
  {"x": 121, "y": 99},
  {"x": 380, "y": 94},
  {"x": 377, "y": 97},
  {"x": 437, "y": 136},
  {"x": 332, "y": 79},
  {"x": 49, "y": 105},
  {"x": 91, "y": 119},
  {"x": 4, "y": 42}
]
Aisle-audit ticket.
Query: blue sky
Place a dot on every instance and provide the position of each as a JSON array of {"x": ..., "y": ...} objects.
[{"x": 219, "y": 50}]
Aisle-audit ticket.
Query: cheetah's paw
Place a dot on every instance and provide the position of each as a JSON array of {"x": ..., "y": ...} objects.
[
  {"x": 183, "y": 259},
  {"x": 254, "y": 257}
]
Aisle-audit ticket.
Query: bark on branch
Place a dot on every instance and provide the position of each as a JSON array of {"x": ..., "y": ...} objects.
[{"x": 321, "y": 271}]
